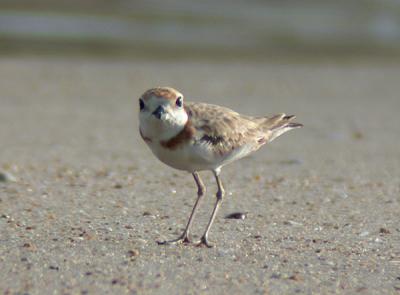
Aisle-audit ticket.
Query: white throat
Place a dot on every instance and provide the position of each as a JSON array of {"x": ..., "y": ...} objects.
[{"x": 165, "y": 128}]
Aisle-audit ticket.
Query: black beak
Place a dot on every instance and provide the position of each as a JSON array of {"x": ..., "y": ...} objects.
[{"x": 158, "y": 112}]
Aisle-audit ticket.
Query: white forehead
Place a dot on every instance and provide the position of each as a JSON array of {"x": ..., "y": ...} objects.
[{"x": 153, "y": 101}]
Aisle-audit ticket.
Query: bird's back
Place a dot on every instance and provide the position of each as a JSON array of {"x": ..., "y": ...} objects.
[{"x": 230, "y": 135}]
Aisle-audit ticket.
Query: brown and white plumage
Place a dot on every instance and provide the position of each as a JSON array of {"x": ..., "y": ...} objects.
[
  {"x": 226, "y": 130},
  {"x": 199, "y": 136}
]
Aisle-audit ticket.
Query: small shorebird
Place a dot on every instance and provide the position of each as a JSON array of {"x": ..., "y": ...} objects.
[{"x": 199, "y": 136}]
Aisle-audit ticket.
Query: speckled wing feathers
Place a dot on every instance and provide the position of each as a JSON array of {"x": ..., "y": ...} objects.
[{"x": 223, "y": 128}]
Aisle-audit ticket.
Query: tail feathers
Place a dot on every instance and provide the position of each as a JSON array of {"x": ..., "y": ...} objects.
[
  {"x": 279, "y": 124},
  {"x": 295, "y": 125}
]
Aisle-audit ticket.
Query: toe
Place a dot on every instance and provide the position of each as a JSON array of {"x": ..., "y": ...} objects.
[
  {"x": 184, "y": 239},
  {"x": 204, "y": 243}
]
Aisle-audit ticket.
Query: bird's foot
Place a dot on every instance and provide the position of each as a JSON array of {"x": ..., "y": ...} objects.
[
  {"x": 204, "y": 243},
  {"x": 183, "y": 239}
]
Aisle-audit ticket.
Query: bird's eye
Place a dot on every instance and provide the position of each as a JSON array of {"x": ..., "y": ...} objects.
[
  {"x": 141, "y": 104},
  {"x": 179, "y": 101}
]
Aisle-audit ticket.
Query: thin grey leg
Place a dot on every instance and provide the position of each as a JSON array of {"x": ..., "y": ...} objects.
[
  {"x": 184, "y": 238},
  {"x": 220, "y": 194}
]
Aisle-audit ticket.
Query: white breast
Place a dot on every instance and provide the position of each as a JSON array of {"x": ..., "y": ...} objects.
[
  {"x": 196, "y": 157},
  {"x": 185, "y": 157}
]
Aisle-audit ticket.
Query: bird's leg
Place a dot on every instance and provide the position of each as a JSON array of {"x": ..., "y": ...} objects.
[
  {"x": 184, "y": 238},
  {"x": 220, "y": 194}
]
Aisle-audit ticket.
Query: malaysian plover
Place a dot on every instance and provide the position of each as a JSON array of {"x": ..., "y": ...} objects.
[{"x": 194, "y": 136}]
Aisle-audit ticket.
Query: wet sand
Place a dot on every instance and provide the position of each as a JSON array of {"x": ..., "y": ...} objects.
[{"x": 83, "y": 201}]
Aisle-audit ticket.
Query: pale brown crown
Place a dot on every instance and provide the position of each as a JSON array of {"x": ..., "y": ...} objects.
[{"x": 161, "y": 92}]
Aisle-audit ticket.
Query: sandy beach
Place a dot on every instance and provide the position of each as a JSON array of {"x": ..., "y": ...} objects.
[{"x": 83, "y": 201}]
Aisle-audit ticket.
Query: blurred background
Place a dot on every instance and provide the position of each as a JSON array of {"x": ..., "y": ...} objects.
[
  {"x": 214, "y": 29},
  {"x": 79, "y": 190}
]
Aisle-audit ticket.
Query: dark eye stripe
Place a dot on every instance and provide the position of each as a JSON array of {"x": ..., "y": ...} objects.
[{"x": 141, "y": 104}]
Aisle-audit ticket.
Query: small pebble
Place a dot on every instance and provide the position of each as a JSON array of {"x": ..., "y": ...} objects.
[
  {"x": 383, "y": 230},
  {"x": 295, "y": 277},
  {"x": 3, "y": 177},
  {"x": 236, "y": 215},
  {"x": 30, "y": 246},
  {"x": 7, "y": 177},
  {"x": 133, "y": 253}
]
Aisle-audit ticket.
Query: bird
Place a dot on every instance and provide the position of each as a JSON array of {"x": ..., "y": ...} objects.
[{"x": 196, "y": 136}]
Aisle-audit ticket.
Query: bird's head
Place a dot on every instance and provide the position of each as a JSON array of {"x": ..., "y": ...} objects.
[{"x": 162, "y": 114}]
